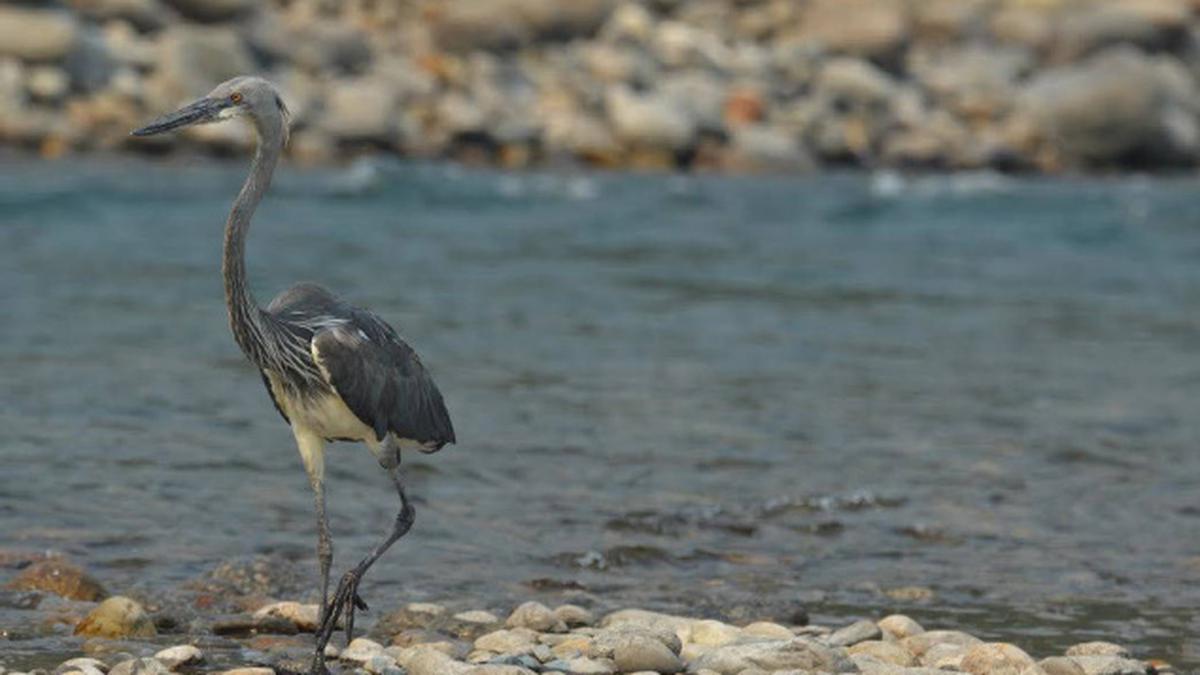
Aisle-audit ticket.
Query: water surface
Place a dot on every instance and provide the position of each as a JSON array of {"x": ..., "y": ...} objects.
[{"x": 735, "y": 396}]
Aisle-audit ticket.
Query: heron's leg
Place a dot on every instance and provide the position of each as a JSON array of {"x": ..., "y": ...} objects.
[
  {"x": 345, "y": 598},
  {"x": 312, "y": 451},
  {"x": 324, "y": 546}
]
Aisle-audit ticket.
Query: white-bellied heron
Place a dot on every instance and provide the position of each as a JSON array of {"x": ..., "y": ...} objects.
[{"x": 334, "y": 371}]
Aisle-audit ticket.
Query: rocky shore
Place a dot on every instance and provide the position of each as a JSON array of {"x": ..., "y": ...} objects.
[
  {"x": 232, "y": 621},
  {"x": 1040, "y": 85}
]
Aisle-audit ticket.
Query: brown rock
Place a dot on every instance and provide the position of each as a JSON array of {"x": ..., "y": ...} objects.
[
  {"x": 117, "y": 617},
  {"x": 61, "y": 578}
]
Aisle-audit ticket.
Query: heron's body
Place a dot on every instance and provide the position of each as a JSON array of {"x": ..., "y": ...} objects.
[{"x": 334, "y": 371}]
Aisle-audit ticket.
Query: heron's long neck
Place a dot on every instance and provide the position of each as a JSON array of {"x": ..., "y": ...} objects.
[{"x": 245, "y": 318}]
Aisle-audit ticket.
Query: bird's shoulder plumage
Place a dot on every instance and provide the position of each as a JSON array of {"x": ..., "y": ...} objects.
[{"x": 362, "y": 358}]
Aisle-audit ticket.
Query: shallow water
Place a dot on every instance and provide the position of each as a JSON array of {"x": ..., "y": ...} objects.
[{"x": 734, "y": 396}]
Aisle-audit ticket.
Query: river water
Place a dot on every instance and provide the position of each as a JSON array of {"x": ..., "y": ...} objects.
[{"x": 730, "y": 396}]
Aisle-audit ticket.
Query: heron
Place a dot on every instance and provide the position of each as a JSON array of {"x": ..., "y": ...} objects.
[{"x": 335, "y": 372}]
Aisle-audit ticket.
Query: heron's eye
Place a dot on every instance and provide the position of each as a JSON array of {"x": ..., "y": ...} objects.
[{"x": 235, "y": 97}]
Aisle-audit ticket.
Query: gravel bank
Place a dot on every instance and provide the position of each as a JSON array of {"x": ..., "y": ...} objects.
[{"x": 744, "y": 85}]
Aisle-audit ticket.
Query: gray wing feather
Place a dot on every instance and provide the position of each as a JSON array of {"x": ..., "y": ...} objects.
[{"x": 382, "y": 380}]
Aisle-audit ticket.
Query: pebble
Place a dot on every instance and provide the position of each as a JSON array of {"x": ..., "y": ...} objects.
[
  {"x": 173, "y": 657},
  {"x": 116, "y": 617},
  {"x": 249, "y": 671}
]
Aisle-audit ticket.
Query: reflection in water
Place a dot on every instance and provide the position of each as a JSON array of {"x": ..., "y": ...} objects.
[{"x": 740, "y": 396}]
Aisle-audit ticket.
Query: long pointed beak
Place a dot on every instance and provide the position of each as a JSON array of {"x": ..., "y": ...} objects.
[{"x": 200, "y": 112}]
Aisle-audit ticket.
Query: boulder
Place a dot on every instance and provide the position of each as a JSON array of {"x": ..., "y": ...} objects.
[
  {"x": 191, "y": 61},
  {"x": 1117, "y": 106},
  {"x": 361, "y": 110},
  {"x": 649, "y": 120},
  {"x": 1152, "y": 25},
  {"x": 466, "y": 25},
  {"x": 868, "y": 28},
  {"x": 36, "y": 34}
]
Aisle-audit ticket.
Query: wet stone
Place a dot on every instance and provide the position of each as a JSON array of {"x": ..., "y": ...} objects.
[
  {"x": 248, "y": 624},
  {"x": 416, "y": 615},
  {"x": 61, "y": 578}
]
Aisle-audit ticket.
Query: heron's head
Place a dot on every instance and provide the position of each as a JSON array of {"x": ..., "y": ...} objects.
[{"x": 248, "y": 96}]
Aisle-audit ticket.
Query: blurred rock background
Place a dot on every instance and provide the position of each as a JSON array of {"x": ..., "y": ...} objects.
[{"x": 1041, "y": 85}]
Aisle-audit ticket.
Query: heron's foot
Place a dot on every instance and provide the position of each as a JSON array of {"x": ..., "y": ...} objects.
[
  {"x": 342, "y": 606},
  {"x": 318, "y": 664}
]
